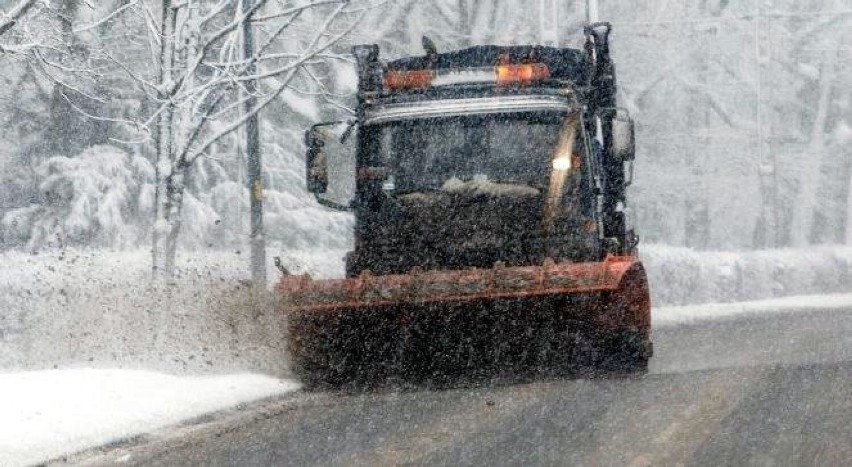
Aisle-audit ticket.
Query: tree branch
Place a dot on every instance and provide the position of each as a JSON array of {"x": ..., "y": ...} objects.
[
  {"x": 11, "y": 18},
  {"x": 313, "y": 49}
]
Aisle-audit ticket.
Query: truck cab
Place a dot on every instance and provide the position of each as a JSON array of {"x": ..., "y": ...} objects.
[{"x": 511, "y": 155}]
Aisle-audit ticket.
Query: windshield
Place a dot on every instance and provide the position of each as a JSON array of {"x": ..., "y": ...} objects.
[{"x": 503, "y": 148}]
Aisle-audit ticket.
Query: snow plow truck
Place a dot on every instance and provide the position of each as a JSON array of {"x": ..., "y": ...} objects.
[{"x": 488, "y": 187}]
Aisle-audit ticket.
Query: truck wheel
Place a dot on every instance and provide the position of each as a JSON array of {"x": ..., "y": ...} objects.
[
  {"x": 626, "y": 354},
  {"x": 316, "y": 378}
]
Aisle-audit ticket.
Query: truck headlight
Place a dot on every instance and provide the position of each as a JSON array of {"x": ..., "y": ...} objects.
[{"x": 562, "y": 163}]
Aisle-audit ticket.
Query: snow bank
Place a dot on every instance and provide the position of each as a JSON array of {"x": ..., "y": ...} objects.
[
  {"x": 666, "y": 316},
  {"x": 98, "y": 309},
  {"x": 682, "y": 276},
  {"x": 46, "y": 414}
]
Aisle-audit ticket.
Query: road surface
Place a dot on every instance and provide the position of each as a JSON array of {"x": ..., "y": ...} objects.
[{"x": 759, "y": 390}]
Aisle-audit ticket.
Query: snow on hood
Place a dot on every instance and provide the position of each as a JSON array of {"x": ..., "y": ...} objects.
[{"x": 478, "y": 187}]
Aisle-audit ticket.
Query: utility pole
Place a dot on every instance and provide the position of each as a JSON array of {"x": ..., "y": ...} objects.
[
  {"x": 766, "y": 154},
  {"x": 254, "y": 166}
]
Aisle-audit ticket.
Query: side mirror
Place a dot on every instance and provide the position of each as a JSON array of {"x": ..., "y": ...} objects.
[
  {"x": 330, "y": 163},
  {"x": 316, "y": 164},
  {"x": 623, "y": 136}
]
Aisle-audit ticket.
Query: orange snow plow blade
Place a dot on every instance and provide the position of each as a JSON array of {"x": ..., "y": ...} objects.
[{"x": 447, "y": 324}]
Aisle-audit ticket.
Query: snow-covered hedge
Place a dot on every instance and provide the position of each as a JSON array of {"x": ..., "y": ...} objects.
[
  {"x": 681, "y": 276},
  {"x": 102, "y": 197}
]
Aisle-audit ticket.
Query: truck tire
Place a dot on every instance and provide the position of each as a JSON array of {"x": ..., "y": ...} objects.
[{"x": 625, "y": 354}]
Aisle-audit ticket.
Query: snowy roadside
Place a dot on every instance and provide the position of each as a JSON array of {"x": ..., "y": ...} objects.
[
  {"x": 48, "y": 414},
  {"x": 98, "y": 309},
  {"x": 683, "y": 276},
  {"x": 75, "y": 326},
  {"x": 675, "y": 315}
]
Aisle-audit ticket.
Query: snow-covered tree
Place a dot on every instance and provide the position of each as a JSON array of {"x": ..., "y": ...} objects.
[
  {"x": 10, "y": 18},
  {"x": 97, "y": 198},
  {"x": 742, "y": 108},
  {"x": 182, "y": 62},
  {"x": 202, "y": 78}
]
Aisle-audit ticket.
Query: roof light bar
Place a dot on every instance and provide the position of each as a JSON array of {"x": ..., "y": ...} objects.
[{"x": 504, "y": 75}]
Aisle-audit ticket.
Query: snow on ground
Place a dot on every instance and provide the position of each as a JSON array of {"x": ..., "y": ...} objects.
[
  {"x": 47, "y": 414},
  {"x": 683, "y": 276},
  {"x": 75, "y": 308},
  {"x": 674, "y": 315}
]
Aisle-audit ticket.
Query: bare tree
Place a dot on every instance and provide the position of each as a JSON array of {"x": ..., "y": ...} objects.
[
  {"x": 184, "y": 62},
  {"x": 804, "y": 105},
  {"x": 202, "y": 85}
]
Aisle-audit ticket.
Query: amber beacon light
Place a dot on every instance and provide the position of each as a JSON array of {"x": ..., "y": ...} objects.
[{"x": 504, "y": 75}]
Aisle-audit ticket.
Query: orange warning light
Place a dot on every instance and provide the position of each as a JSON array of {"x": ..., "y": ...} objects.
[
  {"x": 522, "y": 74},
  {"x": 399, "y": 80}
]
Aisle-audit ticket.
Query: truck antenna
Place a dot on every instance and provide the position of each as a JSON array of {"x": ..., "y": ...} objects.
[{"x": 429, "y": 46}]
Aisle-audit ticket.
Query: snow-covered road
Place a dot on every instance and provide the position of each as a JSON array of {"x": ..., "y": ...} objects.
[
  {"x": 750, "y": 389},
  {"x": 47, "y": 414}
]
